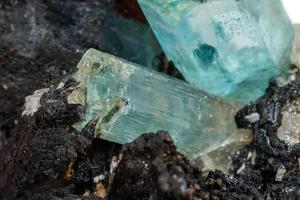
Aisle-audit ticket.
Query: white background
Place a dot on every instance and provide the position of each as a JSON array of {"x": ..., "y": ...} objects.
[{"x": 293, "y": 9}]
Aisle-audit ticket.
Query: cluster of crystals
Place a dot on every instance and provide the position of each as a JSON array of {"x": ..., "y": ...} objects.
[
  {"x": 125, "y": 100},
  {"x": 228, "y": 48}
]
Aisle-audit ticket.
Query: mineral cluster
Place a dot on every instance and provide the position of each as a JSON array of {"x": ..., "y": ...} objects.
[
  {"x": 224, "y": 48},
  {"x": 112, "y": 129},
  {"x": 228, "y": 48}
]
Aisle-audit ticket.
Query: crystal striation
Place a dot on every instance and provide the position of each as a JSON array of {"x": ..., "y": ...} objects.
[
  {"x": 228, "y": 48},
  {"x": 124, "y": 100}
]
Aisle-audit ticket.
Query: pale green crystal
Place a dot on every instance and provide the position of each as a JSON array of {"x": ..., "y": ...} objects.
[
  {"x": 221, "y": 158},
  {"x": 125, "y": 100},
  {"x": 229, "y": 48}
]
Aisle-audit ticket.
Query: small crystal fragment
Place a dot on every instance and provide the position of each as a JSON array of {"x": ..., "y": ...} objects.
[
  {"x": 253, "y": 158},
  {"x": 290, "y": 125},
  {"x": 253, "y": 117},
  {"x": 241, "y": 169},
  {"x": 228, "y": 48},
  {"x": 280, "y": 173},
  {"x": 125, "y": 100},
  {"x": 32, "y": 102}
]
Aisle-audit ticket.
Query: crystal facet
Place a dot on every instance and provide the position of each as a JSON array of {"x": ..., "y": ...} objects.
[
  {"x": 228, "y": 48},
  {"x": 125, "y": 100}
]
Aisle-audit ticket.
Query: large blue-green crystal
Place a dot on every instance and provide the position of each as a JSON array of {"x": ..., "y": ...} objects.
[
  {"x": 125, "y": 100},
  {"x": 229, "y": 48}
]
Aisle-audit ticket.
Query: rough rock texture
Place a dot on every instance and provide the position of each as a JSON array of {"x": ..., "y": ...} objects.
[
  {"x": 50, "y": 160},
  {"x": 20, "y": 76},
  {"x": 258, "y": 165},
  {"x": 40, "y": 42},
  {"x": 151, "y": 168},
  {"x": 73, "y": 24}
]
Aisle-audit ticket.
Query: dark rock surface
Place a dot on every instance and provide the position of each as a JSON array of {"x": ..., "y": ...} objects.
[
  {"x": 40, "y": 43},
  {"x": 151, "y": 168},
  {"x": 72, "y": 25},
  {"x": 50, "y": 160},
  {"x": 269, "y": 153}
]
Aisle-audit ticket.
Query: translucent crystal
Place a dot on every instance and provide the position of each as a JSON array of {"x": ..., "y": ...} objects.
[
  {"x": 221, "y": 157},
  {"x": 129, "y": 39},
  {"x": 125, "y": 100},
  {"x": 228, "y": 48}
]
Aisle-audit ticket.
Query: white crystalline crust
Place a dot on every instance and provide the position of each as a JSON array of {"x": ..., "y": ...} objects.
[
  {"x": 32, "y": 102},
  {"x": 290, "y": 125}
]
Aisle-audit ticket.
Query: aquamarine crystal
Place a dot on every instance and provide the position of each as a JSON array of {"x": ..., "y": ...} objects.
[
  {"x": 124, "y": 100},
  {"x": 130, "y": 40},
  {"x": 229, "y": 48}
]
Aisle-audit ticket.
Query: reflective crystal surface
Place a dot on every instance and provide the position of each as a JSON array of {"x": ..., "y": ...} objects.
[
  {"x": 125, "y": 100},
  {"x": 228, "y": 48}
]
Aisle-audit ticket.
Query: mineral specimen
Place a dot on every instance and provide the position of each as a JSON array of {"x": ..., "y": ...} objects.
[
  {"x": 124, "y": 100},
  {"x": 228, "y": 48}
]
